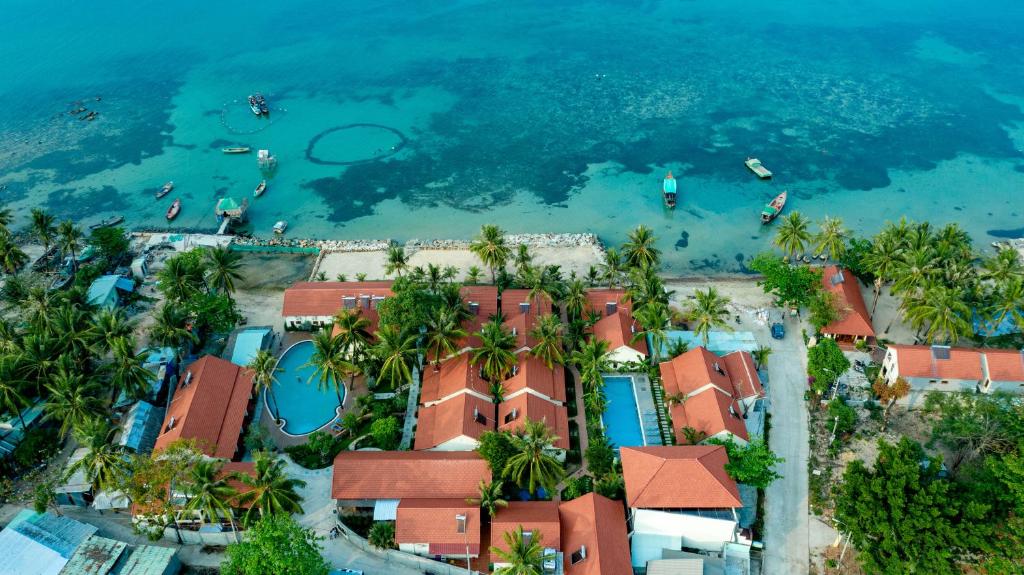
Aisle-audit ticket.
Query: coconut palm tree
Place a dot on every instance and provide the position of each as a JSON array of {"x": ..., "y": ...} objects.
[
  {"x": 397, "y": 351},
  {"x": 523, "y": 258},
  {"x": 525, "y": 555},
  {"x": 495, "y": 352},
  {"x": 640, "y": 250},
  {"x": 107, "y": 326},
  {"x": 653, "y": 320},
  {"x": 945, "y": 313},
  {"x": 398, "y": 261},
  {"x": 169, "y": 328},
  {"x": 831, "y": 238},
  {"x": 11, "y": 396},
  {"x": 6, "y": 217},
  {"x": 208, "y": 492},
  {"x": 12, "y": 258},
  {"x": 793, "y": 236},
  {"x": 1007, "y": 302},
  {"x": 673, "y": 399},
  {"x": 444, "y": 332},
  {"x": 473, "y": 275},
  {"x": 37, "y": 358},
  {"x": 104, "y": 461},
  {"x": 224, "y": 267},
  {"x": 677, "y": 348},
  {"x": 264, "y": 369},
  {"x": 646, "y": 288},
  {"x": 74, "y": 398},
  {"x": 127, "y": 369},
  {"x": 71, "y": 326},
  {"x": 883, "y": 261},
  {"x": 612, "y": 268},
  {"x": 38, "y": 306},
  {"x": 591, "y": 360},
  {"x": 595, "y": 401},
  {"x": 182, "y": 277},
  {"x": 533, "y": 465},
  {"x": 547, "y": 334},
  {"x": 1002, "y": 266},
  {"x": 491, "y": 248},
  {"x": 43, "y": 228},
  {"x": 761, "y": 355},
  {"x": 269, "y": 490},
  {"x": 330, "y": 366},
  {"x": 575, "y": 298},
  {"x": 708, "y": 312},
  {"x": 70, "y": 239},
  {"x": 914, "y": 270},
  {"x": 490, "y": 498},
  {"x": 353, "y": 330}
]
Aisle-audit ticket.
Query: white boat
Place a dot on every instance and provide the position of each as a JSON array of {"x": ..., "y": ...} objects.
[
  {"x": 755, "y": 166},
  {"x": 280, "y": 227}
]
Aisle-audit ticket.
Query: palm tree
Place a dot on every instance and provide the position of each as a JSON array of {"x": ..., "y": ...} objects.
[
  {"x": 181, "y": 278},
  {"x": 883, "y": 261},
  {"x": 444, "y": 332},
  {"x": 677, "y": 348},
  {"x": 70, "y": 238},
  {"x": 646, "y": 288},
  {"x": 207, "y": 491},
  {"x": 548, "y": 337},
  {"x": 264, "y": 367},
  {"x": 639, "y": 250},
  {"x": 104, "y": 461},
  {"x": 523, "y": 258},
  {"x": 224, "y": 267},
  {"x": 473, "y": 275},
  {"x": 128, "y": 371},
  {"x": 831, "y": 238},
  {"x": 792, "y": 236},
  {"x": 542, "y": 283},
  {"x": 1002, "y": 266},
  {"x": 73, "y": 398},
  {"x": 490, "y": 498},
  {"x": 11, "y": 397},
  {"x": 353, "y": 329},
  {"x": 6, "y": 217},
  {"x": 708, "y": 312},
  {"x": 269, "y": 489},
  {"x": 329, "y": 364},
  {"x": 612, "y": 268},
  {"x": 533, "y": 465},
  {"x": 107, "y": 326},
  {"x": 673, "y": 399},
  {"x": 592, "y": 360},
  {"x": 37, "y": 358},
  {"x": 495, "y": 352},
  {"x": 169, "y": 327},
  {"x": 944, "y": 311},
  {"x": 914, "y": 270},
  {"x": 594, "y": 399},
  {"x": 398, "y": 261},
  {"x": 761, "y": 355},
  {"x": 525, "y": 555},
  {"x": 71, "y": 326},
  {"x": 12, "y": 258},
  {"x": 653, "y": 319},
  {"x": 1007, "y": 302},
  {"x": 38, "y": 306},
  {"x": 43, "y": 228},
  {"x": 397, "y": 351},
  {"x": 491, "y": 248},
  {"x": 575, "y": 298}
]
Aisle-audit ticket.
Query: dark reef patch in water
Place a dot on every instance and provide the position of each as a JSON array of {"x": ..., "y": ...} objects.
[
  {"x": 71, "y": 203},
  {"x": 683, "y": 241},
  {"x": 1009, "y": 234}
]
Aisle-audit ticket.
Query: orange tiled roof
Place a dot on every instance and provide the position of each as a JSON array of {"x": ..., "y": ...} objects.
[
  {"x": 521, "y": 325},
  {"x": 453, "y": 418},
  {"x": 485, "y": 299},
  {"x": 210, "y": 408},
  {"x": 535, "y": 516},
  {"x": 433, "y": 521},
  {"x": 920, "y": 361},
  {"x": 709, "y": 411},
  {"x": 327, "y": 298},
  {"x": 618, "y": 330},
  {"x": 456, "y": 374},
  {"x": 511, "y": 298},
  {"x": 533, "y": 373},
  {"x": 368, "y": 475},
  {"x": 598, "y": 300},
  {"x": 743, "y": 374},
  {"x": 855, "y": 320},
  {"x": 535, "y": 408},
  {"x": 1005, "y": 365},
  {"x": 599, "y": 524},
  {"x": 695, "y": 369},
  {"x": 678, "y": 477}
]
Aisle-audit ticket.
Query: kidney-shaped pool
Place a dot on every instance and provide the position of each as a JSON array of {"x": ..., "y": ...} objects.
[{"x": 303, "y": 407}]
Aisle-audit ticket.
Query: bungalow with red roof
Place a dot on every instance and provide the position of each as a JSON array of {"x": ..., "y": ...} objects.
[
  {"x": 456, "y": 406},
  {"x": 713, "y": 395},
  {"x": 539, "y": 520},
  {"x": 854, "y": 323},
  {"x": 513, "y": 413},
  {"x": 424, "y": 492},
  {"x": 679, "y": 497},
  {"x": 211, "y": 405},
  {"x": 454, "y": 376},
  {"x": 616, "y": 325},
  {"x": 313, "y": 305},
  {"x": 482, "y": 303},
  {"x": 521, "y": 315},
  {"x": 944, "y": 368}
]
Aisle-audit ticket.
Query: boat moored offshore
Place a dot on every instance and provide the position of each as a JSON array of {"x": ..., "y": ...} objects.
[
  {"x": 235, "y": 150},
  {"x": 111, "y": 221},
  {"x": 773, "y": 208},
  {"x": 280, "y": 227},
  {"x": 172, "y": 212},
  {"x": 755, "y": 166},
  {"x": 668, "y": 189},
  {"x": 262, "y": 187},
  {"x": 166, "y": 189},
  {"x": 254, "y": 105}
]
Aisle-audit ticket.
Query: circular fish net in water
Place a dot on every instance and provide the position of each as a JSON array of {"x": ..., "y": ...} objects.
[{"x": 365, "y": 143}]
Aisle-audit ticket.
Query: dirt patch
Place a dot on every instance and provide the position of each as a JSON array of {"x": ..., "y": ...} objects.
[{"x": 273, "y": 271}]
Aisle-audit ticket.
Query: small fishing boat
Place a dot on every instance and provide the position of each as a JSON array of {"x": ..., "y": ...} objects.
[
  {"x": 773, "y": 208},
  {"x": 265, "y": 160},
  {"x": 262, "y": 187},
  {"x": 165, "y": 190},
  {"x": 254, "y": 105},
  {"x": 235, "y": 150},
  {"x": 668, "y": 188},
  {"x": 172, "y": 212},
  {"x": 111, "y": 221},
  {"x": 264, "y": 109},
  {"x": 755, "y": 166},
  {"x": 280, "y": 227},
  {"x": 61, "y": 281}
]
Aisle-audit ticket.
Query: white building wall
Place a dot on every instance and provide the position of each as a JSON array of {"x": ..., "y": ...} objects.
[
  {"x": 652, "y": 528},
  {"x": 625, "y": 354},
  {"x": 460, "y": 443}
]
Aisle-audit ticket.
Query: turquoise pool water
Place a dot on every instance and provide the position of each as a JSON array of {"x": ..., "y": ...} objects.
[
  {"x": 303, "y": 407},
  {"x": 622, "y": 419}
]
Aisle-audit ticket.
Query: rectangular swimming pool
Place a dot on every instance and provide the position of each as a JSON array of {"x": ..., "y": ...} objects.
[{"x": 622, "y": 417}]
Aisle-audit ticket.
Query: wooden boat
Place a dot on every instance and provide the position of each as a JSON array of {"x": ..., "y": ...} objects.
[
  {"x": 280, "y": 227},
  {"x": 755, "y": 166},
  {"x": 165, "y": 190},
  {"x": 61, "y": 281},
  {"x": 172, "y": 212},
  {"x": 262, "y": 187},
  {"x": 235, "y": 150},
  {"x": 668, "y": 189},
  {"x": 773, "y": 208},
  {"x": 254, "y": 105},
  {"x": 112, "y": 221}
]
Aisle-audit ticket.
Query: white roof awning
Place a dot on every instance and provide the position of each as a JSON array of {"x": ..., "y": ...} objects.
[{"x": 385, "y": 509}]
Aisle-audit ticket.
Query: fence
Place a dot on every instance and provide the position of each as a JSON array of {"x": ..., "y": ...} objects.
[
  {"x": 427, "y": 566},
  {"x": 190, "y": 537},
  {"x": 275, "y": 249}
]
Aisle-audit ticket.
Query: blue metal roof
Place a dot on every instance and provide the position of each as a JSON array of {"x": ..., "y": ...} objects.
[
  {"x": 141, "y": 427},
  {"x": 100, "y": 289},
  {"x": 247, "y": 343}
]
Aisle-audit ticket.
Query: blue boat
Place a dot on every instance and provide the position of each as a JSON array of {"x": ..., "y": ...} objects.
[{"x": 668, "y": 188}]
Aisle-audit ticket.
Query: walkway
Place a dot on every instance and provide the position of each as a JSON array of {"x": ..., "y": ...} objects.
[{"x": 410, "y": 410}]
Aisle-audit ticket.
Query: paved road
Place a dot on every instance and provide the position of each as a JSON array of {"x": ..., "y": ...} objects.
[{"x": 786, "y": 500}]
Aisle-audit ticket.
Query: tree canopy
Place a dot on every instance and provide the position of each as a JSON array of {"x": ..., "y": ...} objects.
[
  {"x": 793, "y": 285},
  {"x": 825, "y": 363},
  {"x": 750, "y": 464},
  {"x": 276, "y": 544}
]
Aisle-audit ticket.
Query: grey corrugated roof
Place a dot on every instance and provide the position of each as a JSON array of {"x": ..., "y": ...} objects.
[
  {"x": 146, "y": 560},
  {"x": 40, "y": 544},
  {"x": 96, "y": 556}
]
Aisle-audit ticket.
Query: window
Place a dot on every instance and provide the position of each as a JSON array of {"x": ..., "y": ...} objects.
[
  {"x": 944, "y": 382},
  {"x": 524, "y": 307},
  {"x": 348, "y": 302},
  {"x": 479, "y": 417},
  {"x": 527, "y": 537},
  {"x": 511, "y": 416},
  {"x": 474, "y": 308},
  {"x": 579, "y": 556},
  {"x": 610, "y": 308},
  {"x": 460, "y": 523}
]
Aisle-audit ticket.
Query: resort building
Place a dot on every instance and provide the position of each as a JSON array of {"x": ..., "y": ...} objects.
[
  {"x": 679, "y": 498},
  {"x": 212, "y": 404},
  {"x": 482, "y": 303},
  {"x": 453, "y": 377},
  {"x": 513, "y": 413},
  {"x": 532, "y": 375},
  {"x": 454, "y": 424},
  {"x": 521, "y": 315},
  {"x": 105, "y": 291},
  {"x": 854, "y": 323},
  {"x": 312, "y": 305},
  {"x": 943, "y": 368},
  {"x": 715, "y": 396},
  {"x": 539, "y": 520},
  {"x": 616, "y": 325},
  {"x": 424, "y": 492}
]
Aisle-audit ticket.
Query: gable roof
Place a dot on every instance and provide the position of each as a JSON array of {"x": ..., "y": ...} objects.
[
  {"x": 533, "y": 373},
  {"x": 691, "y": 371},
  {"x": 618, "y": 329},
  {"x": 678, "y": 477},
  {"x": 209, "y": 405},
  {"x": 599, "y": 524},
  {"x": 709, "y": 412},
  {"x": 520, "y": 325},
  {"x": 598, "y": 300},
  {"x": 453, "y": 418},
  {"x": 433, "y": 521},
  {"x": 456, "y": 374},
  {"x": 854, "y": 317},
  {"x": 528, "y": 405},
  {"x": 511, "y": 298},
  {"x": 534, "y": 516},
  {"x": 327, "y": 298},
  {"x": 485, "y": 301},
  {"x": 408, "y": 474},
  {"x": 1004, "y": 364},
  {"x": 922, "y": 361}
]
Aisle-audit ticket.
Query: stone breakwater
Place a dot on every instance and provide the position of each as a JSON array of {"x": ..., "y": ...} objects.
[
  {"x": 323, "y": 245},
  {"x": 532, "y": 240}
]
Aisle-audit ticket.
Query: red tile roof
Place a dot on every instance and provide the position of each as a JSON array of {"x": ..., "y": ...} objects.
[
  {"x": 453, "y": 418},
  {"x": 486, "y": 298},
  {"x": 211, "y": 408},
  {"x": 599, "y": 524},
  {"x": 535, "y": 408},
  {"x": 695, "y": 370},
  {"x": 534, "y": 516},
  {"x": 456, "y": 374},
  {"x": 678, "y": 477},
  {"x": 1005, "y": 365},
  {"x": 511, "y": 298},
  {"x": 709, "y": 411},
  {"x": 433, "y": 521},
  {"x": 326, "y": 298},
  {"x": 855, "y": 320},
  {"x": 618, "y": 330},
  {"x": 745, "y": 381},
  {"x": 361, "y": 475},
  {"x": 521, "y": 325},
  {"x": 921, "y": 362},
  {"x": 598, "y": 300},
  {"x": 533, "y": 373}
]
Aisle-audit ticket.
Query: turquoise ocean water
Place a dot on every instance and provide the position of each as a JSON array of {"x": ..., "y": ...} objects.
[{"x": 427, "y": 119}]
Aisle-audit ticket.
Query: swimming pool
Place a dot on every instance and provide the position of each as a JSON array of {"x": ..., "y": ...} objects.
[
  {"x": 304, "y": 408},
  {"x": 622, "y": 418}
]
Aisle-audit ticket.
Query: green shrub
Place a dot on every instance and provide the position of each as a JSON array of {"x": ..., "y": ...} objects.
[
  {"x": 318, "y": 452},
  {"x": 38, "y": 446},
  {"x": 842, "y": 416}
]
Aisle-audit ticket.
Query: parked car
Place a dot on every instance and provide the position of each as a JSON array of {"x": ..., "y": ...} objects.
[
  {"x": 778, "y": 331},
  {"x": 346, "y": 572}
]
